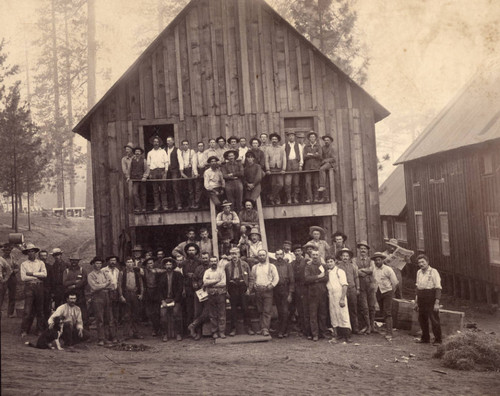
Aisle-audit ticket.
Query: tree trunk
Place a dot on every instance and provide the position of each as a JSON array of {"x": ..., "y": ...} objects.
[
  {"x": 91, "y": 93},
  {"x": 69, "y": 120},
  {"x": 12, "y": 203}
]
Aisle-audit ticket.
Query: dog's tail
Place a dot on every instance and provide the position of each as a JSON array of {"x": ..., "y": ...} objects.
[{"x": 30, "y": 344}]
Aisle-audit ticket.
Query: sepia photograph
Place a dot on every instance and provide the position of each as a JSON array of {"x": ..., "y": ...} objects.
[{"x": 241, "y": 197}]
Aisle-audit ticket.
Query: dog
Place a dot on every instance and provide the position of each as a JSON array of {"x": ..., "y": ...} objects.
[{"x": 50, "y": 337}]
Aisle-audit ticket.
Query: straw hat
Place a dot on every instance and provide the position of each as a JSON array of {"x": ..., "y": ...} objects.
[
  {"x": 363, "y": 243},
  {"x": 392, "y": 242},
  {"x": 255, "y": 230},
  {"x": 31, "y": 246},
  {"x": 317, "y": 228},
  {"x": 378, "y": 254},
  {"x": 344, "y": 250}
]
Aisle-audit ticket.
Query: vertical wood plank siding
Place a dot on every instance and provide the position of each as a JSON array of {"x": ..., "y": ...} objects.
[{"x": 232, "y": 67}]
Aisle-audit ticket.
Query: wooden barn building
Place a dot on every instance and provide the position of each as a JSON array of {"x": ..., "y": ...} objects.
[
  {"x": 393, "y": 211},
  {"x": 452, "y": 176},
  {"x": 233, "y": 67}
]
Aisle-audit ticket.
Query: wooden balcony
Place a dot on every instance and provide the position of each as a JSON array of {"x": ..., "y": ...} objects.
[{"x": 199, "y": 216}]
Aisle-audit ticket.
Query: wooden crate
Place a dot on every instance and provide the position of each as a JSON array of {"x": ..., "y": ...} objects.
[
  {"x": 402, "y": 313},
  {"x": 451, "y": 322}
]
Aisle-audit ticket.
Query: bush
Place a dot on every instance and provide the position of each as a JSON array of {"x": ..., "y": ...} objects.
[{"x": 470, "y": 351}]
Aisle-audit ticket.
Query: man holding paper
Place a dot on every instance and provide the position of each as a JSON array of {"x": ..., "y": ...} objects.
[
  {"x": 214, "y": 282},
  {"x": 171, "y": 286},
  {"x": 397, "y": 258}
]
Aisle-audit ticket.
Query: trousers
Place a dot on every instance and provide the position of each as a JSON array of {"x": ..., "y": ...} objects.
[
  {"x": 311, "y": 186},
  {"x": 264, "y": 300},
  {"x": 318, "y": 298},
  {"x": 173, "y": 186},
  {"x": 139, "y": 194},
  {"x": 238, "y": 298},
  {"x": 352, "y": 304},
  {"x": 385, "y": 303},
  {"x": 234, "y": 193},
  {"x": 217, "y": 312},
  {"x": 33, "y": 305},
  {"x": 9, "y": 287},
  {"x": 159, "y": 188},
  {"x": 131, "y": 312},
  {"x": 280, "y": 294},
  {"x": 71, "y": 337},
  {"x": 292, "y": 181},
  {"x": 171, "y": 313},
  {"x": 366, "y": 303},
  {"x": 426, "y": 314},
  {"x": 103, "y": 314}
]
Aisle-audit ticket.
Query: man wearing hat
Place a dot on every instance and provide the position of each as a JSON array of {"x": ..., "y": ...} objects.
[
  {"x": 315, "y": 278},
  {"x": 157, "y": 163},
  {"x": 175, "y": 171},
  {"x": 56, "y": 274},
  {"x": 312, "y": 161},
  {"x": 386, "y": 282},
  {"x": 131, "y": 292},
  {"x": 43, "y": 256},
  {"x": 339, "y": 239},
  {"x": 232, "y": 171},
  {"x": 275, "y": 166},
  {"x": 227, "y": 223},
  {"x": 74, "y": 281},
  {"x": 221, "y": 147},
  {"x": 260, "y": 157},
  {"x": 181, "y": 247},
  {"x": 283, "y": 291},
  {"x": 192, "y": 261},
  {"x": 299, "y": 298},
  {"x": 170, "y": 288},
  {"x": 327, "y": 161},
  {"x": 129, "y": 153},
  {"x": 138, "y": 170},
  {"x": 201, "y": 163},
  {"x": 242, "y": 150},
  {"x": 137, "y": 255},
  {"x": 392, "y": 245},
  {"x": 367, "y": 287},
  {"x": 254, "y": 245},
  {"x": 249, "y": 217},
  {"x": 190, "y": 162},
  {"x": 32, "y": 272},
  {"x": 294, "y": 162},
  {"x": 287, "y": 251},
  {"x": 213, "y": 180},
  {"x": 345, "y": 256},
  {"x": 318, "y": 240},
  {"x": 9, "y": 283},
  {"x": 113, "y": 272},
  {"x": 237, "y": 281},
  {"x": 232, "y": 142},
  {"x": 252, "y": 177}
]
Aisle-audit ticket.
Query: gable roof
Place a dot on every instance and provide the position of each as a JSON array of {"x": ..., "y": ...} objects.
[
  {"x": 472, "y": 117},
  {"x": 380, "y": 111},
  {"x": 392, "y": 195}
]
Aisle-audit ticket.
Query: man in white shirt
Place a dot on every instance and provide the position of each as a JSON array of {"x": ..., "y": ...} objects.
[
  {"x": 386, "y": 281},
  {"x": 32, "y": 272},
  {"x": 112, "y": 272},
  {"x": 263, "y": 280},
  {"x": 175, "y": 171},
  {"x": 294, "y": 163},
  {"x": 214, "y": 283},
  {"x": 190, "y": 162},
  {"x": 242, "y": 150},
  {"x": 73, "y": 331},
  {"x": 158, "y": 167},
  {"x": 201, "y": 161}
]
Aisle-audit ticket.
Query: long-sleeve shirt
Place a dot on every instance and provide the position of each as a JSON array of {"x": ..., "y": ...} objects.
[
  {"x": 213, "y": 179},
  {"x": 322, "y": 245},
  {"x": 126, "y": 165},
  {"x": 253, "y": 248},
  {"x": 206, "y": 246},
  {"x": 37, "y": 267},
  {"x": 285, "y": 274},
  {"x": 263, "y": 275},
  {"x": 241, "y": 154},
  {"x": 249, "y": 217},
  {"x": 260, "y": 157},
  {"x": 275, "y": 158},
  {"x": 201, "y": 159},
  {"x": 72, "y": 315},
  {"x": 351, "y": 273},
  {"x": 429, "y": 279},
  {"x": 74, "y": 277},
  {"x": 113, "y": 274},
  {"x": 328, "y": 154},
  {"x": 5, "y": 270},
  {"x": 312, "y": 161},
  {"x": 218, "y": 276},
  {"x": 210, "y": 152},
  {"x": 311, "y": 272},
  {"x": 231, "y": 217},
  {"x": 385, "y": 278},
  {"x": 97, "y": 280},
  {"x": 157, "y": 159},
  {"x": 235, "y": 169},
  {"x": 135, "y": 163},
  {"x": 189, "y": 160}
]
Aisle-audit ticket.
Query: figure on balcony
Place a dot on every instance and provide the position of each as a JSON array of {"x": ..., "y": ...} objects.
[
  {"x": 312, "y": 161},
  {"x": 138, "y": 170},
  {"x": 233, "y": 144},
  {"x": 233, "y": 175},
  {"x": 327, "y": 162},
  {"x": 254, "y": 245},
  {"x": 252, "y": 177},
  {"x": 190, "y": 161},
  {"x": 214, "y": 180},
  {"x": 294, "y": 162},
  {"x": 275, "y": 167},
  {"x": 242, "y": 150},
  {"x": 211, "y": 150},
  {"x": 205, "y": 243},
  {"x": 158, "y": 165},
  {"x": 227, "y": 225},
  {"x": 221, "y": 147},
  {"x": 175, "y": 171},
  {"x": 339, "y": 240},
  {"x": 260, "y": 158},
  {"x": 129, "y": 153},
  {"x": 201, "y": 162},
  {"x": 190, "y": 238}
]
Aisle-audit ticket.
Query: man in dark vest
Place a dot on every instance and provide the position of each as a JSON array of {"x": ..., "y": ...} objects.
[
  {"x": 130, "y": 289},
  {"x": 191, "y": 262},
  {"x": 283, "y": 291},
  {"x": 237, "y": 281},
  {"x": 294, "y": 162},
  {"x": 57, "y": 277},
  {"x": 175, "y": 171},
  {"x": 139, "y": 170},
  {"x": 74, "y": 281},
  {"x": 171, "y": 285}
]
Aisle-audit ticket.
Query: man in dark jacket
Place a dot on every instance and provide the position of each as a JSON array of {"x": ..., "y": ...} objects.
[
  {"x": 299, "y": 301},
  {"x": 175, "y": 171},
  {"x": 130, "y": 289},
  {"x": 57, "y": 277},
  {"x": 316, "y": 277},
  {"x": 171, "y": 285},
  {"x": 283, "y": 291},
  {"x": 74, "y": 281},
  {"x": 138, "y": 170},
  {"x": 151, "y": 294}
]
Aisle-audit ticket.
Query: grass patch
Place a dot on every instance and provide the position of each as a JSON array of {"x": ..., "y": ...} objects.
[{"x": 470, "y": 351}]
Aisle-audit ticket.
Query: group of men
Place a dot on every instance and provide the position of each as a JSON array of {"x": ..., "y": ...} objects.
[
  {"x": 324, "y": 289},
  {"x": 230, "y": 170}
]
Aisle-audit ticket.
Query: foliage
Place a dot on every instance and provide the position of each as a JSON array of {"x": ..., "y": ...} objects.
[{"x": 470, "y": 351}]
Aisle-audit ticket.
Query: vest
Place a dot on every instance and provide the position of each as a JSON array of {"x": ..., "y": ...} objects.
[
  {"x": 174, "y": 160},
  {"x": 137, "y": 281},
  {"x": 296, "y": 148},
  {"x": 137, "y": 168}
]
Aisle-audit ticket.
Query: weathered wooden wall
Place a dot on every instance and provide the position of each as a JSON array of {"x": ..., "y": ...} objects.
[
  {"x": 454, "y": 183},
  {"x": 227, "y": 67}
]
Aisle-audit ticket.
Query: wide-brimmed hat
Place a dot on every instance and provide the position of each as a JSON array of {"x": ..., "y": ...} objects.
[
  {"x": 341, "y": 234},
  {"x": 317, "y": 228},
  {"x": 212, "y": 157},
  {"x": 233, "y": 138},
  {"x": 249, "y": 200},
  {"x": 156, "y": 137},
  {"x": 192, "y": 244},
  {"x": 256, "y": 231},
  {"x": 290, "y": 132},
  {"x": 344, "y": 250},
  {"x": 75, "y": 257},
  {"x": 309, "y": 244},
  {"x": 363, "y": 243},
  {"x": 257, "y": 139},
  {"x": 392, "y": 242},
  {"x": 276, "y": 136},
  {"x": 92, "y": 262},
  {"x": 169, "y": 260},
  {"x": 235, "y": 152},
  {"x": 311, "y": 133},
  {"x": 300, "y": 134},
  {"x": 137, "y": 248},
  {"x": 287, "y": 242},
  {"x": 250, "y": 154},
  {"x": 327, "y": 137},
  {"x": 296, "y": 246},
  {"x": 220, "y": 138},
  {"x": 378, "y": 254},
  {"x": 56, "y": 251},
  {"x": 112, "y": 256},
  {"x": 30, "y": 246},
  {"x": 139, "y": 148},
  {"x": 129, "y": 144},
  {"x": 226, "y": 203}
]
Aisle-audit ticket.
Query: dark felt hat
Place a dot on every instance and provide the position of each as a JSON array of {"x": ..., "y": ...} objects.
[
  {"x": 169, "y": 260},
  {"x": 220, "y": 138},
  {"x": 233, "y": 138},
  {"x": 192, "y": 244},
  {"x": 296, "y": 246},
  {"x": 139, "y": 148},
  {"x": 327, "y": 137},
  {"x": 229, "y": 152},
  {"x": 212, "y": 157},
  {"x": 250, "y": 154},
  {"x": 152, "y": 138},
  {"x": 339, "y": 233},
  {"x": 112, "y": 256},
  {"x": 276, "y": 136},
  {"x": 312, "y": 133},
  {"x": 344, "y": 250},
  {"x": 257, "y": 139}
]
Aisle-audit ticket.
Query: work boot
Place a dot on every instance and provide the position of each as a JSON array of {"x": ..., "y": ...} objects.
[{"x": 192, "y": 331}]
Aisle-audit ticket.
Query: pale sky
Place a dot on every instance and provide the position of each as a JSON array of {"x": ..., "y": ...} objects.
[{"x": 422, "y": 53}]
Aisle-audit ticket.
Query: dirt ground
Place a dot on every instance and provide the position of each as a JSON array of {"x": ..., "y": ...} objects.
[{"x": 295, "y": 366}]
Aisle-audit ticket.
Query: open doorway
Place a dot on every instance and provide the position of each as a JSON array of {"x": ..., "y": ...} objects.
[{"x": 163, "y": 131}]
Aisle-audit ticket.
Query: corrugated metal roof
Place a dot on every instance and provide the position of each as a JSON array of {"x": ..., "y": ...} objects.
[
  {"x": 472, "y": 117},
  {"x": 392, "y": 193}
]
